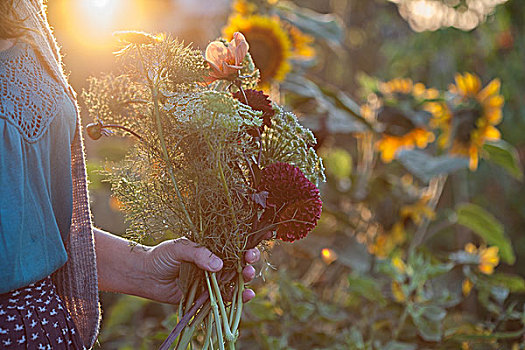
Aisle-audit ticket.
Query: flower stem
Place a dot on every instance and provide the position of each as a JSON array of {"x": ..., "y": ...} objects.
[
  {"x": 184, "y": 321},
  {"x": 215, "y": 309},
  {"x": 191, "y": 294},
  {"x": 188, "y": 332},
  {"x": 240, "y": 285},
  {"x": 209, "y": 329},
  {"x": 227, "y": 332},
  {"x": 401, "y": 323},
  {"x": 156, "y": 113},
  {"x": 234, "y": 302},
  {"x": 116, "y": 126}
]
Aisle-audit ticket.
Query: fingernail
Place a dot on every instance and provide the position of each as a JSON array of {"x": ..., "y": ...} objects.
[
  {"x": 251, "y": 256},
  {"x": 249, "y": 272},
  {"x": 215, "y": 264},
  {"x": 247, "y": 295}
]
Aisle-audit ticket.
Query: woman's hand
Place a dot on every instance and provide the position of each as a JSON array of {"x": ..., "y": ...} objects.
[
  {"x": 152, "y": 272},
  {"x": 162, "y": 264}
]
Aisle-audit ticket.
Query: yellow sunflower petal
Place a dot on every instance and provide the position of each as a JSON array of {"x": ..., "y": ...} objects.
[
  {"x": 461, "y": 84},
  {"x": 473, "y": 158},
  {"x": 473, "y": 83},
  {"x": 494, "y": 116},
  {"x": 388, "y": 147},
  {"x": 491, "y": 133},
  {"x": 496, "y": 101},
  {"x": 492, "y": 88}
]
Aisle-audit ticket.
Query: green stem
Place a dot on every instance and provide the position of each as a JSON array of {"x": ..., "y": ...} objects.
[
  {"x": 209, "y": 329},
  {"x": 191, "y": 295},
  {"x": 215, "y": 309},
  {"x": 224, "y": 185},
  {"x": 401, "y": 323},
  {"x": 421, "y": 231},
  {"x": 187, "y": 335},
  {"x": 228, "y": 333},
  {"x": 234, "y": 302},
  {"x": 156, "y": 111},
  {"x": 238, "y": 310}
]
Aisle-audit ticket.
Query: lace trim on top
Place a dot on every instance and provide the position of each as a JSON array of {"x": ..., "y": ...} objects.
[{"x": 29, "y": 96}]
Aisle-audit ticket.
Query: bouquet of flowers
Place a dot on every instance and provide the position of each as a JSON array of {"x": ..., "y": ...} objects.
[{"x": 215, "y": 161}]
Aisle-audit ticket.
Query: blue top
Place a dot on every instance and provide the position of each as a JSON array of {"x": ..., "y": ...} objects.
[{"x": 37, "y": 125}]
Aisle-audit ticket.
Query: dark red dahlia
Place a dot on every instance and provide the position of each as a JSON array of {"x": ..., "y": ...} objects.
[
  {"x": 294, "y": 198},
  {"x": 258, "y": 101}
]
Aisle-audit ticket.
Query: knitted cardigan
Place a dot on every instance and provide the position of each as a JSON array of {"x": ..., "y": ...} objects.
[{"x": 76, "y": 281}]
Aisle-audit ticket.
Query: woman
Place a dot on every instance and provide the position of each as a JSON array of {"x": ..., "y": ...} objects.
[{"x": 53, "y": 260}]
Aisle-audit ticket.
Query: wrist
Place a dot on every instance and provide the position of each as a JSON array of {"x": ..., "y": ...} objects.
[{"x": 121, "y": 267}]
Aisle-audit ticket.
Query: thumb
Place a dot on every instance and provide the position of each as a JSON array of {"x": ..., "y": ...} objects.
[{"x": 183, "y": 249}]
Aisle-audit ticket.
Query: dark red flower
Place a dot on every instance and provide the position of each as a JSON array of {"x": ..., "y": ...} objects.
[
  {"x": 258, "y": 101},
  {"x": 296, "y": 200}
]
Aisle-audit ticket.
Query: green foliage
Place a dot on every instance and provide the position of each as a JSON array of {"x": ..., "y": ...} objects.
[
  {"x": 487, "y": 227},
  {"x": 505, "y": 155},
  {"x": 399, "y": 276},
  {"x": 426, "y": 167}
]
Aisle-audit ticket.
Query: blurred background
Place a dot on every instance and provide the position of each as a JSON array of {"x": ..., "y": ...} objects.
[{"x": 337, "y": 289}]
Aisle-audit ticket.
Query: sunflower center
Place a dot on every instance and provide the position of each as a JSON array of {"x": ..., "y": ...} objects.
[
  {"x": 466, "y": 121},
  {"x": 266, "y": 52},
  {"x": 394, "y": 121}
]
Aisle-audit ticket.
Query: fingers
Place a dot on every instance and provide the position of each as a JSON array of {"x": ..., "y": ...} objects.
[
  {"x": 252, "y": 255},
  {"x": 183, "y": 249},
  {"x": 248, "y": 273},
  {"x": 247, "y": 295}
]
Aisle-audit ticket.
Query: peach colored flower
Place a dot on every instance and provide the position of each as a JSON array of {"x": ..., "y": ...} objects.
[{"x": 225, "y": 60}]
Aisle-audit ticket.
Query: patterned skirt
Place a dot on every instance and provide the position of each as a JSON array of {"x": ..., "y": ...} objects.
[{"x": 34, "y": 317}]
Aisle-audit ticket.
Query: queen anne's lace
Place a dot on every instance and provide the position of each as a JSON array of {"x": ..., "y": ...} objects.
[{"x": 28, "y": 95}]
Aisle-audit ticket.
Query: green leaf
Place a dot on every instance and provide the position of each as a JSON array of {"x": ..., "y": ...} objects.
[
  {"x": 485, "y": 225},
  {"x": 366, "y": 287},
  {"x": 464, "y": 258},
  {"x": 428, "y": 321},
  {"x": 262, "y": 310},
  {"x": 425, "y": 167},
  {"x": 341, "y": 111},
  {"x": 505, "y": 155},
  {"x": 514, "y": 283},
  {"x": 324, "y": 26},
  {"x": 489, "y": 337},
  {"x": 302, "y": 311}
]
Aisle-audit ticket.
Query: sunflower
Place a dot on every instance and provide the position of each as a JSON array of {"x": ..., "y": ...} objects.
[
  {"x": 399, "y": 131},
  {"x": 270, "y": 45},
  {"x": 476, "y": 112}
]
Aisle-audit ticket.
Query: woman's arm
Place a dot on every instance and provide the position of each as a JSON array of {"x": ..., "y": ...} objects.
[{"x": 152, "y": 272}]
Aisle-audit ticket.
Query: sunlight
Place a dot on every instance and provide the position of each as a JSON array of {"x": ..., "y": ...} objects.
[{"x": 100, "y": 11}]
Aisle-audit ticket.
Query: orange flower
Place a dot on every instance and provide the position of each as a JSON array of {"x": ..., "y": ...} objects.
[
  {"x": 225, "y": 59},
  {"x": 390, "y": 145},
  {"x": 488, "y": 257}
]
